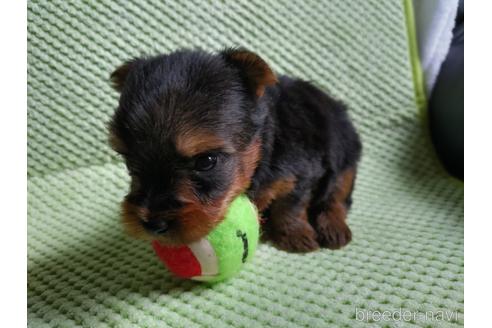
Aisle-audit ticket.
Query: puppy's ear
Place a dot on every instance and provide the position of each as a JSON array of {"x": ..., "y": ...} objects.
[
  {"x": 118, "y": 77},
  {"x": 255, "y": 71}
]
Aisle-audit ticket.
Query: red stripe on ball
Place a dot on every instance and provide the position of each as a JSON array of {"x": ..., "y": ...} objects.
[{"x": 179, "y": 260}]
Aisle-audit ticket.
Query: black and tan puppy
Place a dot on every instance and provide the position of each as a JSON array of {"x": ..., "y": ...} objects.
[{"x": 196, "y": 129}]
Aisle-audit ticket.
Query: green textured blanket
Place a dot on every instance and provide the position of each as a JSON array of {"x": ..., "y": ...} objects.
[{"x": 407, "y": 219}]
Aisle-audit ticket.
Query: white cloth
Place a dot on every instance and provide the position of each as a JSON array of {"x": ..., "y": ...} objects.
[{"x": 435, "y": 20}]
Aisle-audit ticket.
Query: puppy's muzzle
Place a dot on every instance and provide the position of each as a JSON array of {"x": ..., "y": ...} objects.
[{"x": 156, "y": 226}]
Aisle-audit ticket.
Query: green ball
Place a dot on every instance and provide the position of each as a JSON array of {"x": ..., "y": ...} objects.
[{"x": 222, "y": 253}]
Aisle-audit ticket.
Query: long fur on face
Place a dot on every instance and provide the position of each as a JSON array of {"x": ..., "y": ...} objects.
[{"x": 174, "y": 109}]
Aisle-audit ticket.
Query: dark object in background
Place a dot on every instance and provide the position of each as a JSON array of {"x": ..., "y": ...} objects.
[{"x": 446, "y": 104}]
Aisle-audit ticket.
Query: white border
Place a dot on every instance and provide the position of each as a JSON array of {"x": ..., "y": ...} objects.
[
  {"x": 478, "y": 164},
  {"x": 13, "y": 17}
]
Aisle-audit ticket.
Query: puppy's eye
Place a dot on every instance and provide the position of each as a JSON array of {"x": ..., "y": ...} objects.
[{"x": 205, "y": 162}]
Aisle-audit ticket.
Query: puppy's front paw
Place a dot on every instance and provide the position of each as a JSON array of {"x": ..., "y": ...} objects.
[
  {"x": 333, "y": 231},
  {"x": 296, "y": 238}
]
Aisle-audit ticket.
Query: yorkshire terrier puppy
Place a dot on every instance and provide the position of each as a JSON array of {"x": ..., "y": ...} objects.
[{"x": 197, "y": 129}]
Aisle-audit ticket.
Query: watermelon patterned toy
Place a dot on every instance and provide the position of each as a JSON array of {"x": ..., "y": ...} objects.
[{"x": 222, "y": 252}]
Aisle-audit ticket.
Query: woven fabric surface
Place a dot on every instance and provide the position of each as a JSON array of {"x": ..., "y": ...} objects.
[{"x": 407, "y": 217}]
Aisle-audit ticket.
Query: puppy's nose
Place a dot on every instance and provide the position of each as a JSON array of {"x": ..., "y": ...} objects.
[{"x": 156, "y": 226}]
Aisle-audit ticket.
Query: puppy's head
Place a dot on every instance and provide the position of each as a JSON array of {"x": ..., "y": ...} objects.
[{"x": 187, "y": 126}]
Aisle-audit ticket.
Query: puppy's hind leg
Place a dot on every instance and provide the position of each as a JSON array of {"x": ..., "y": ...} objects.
[
  {"x": 330, "y": 222},
  {"x": 288, "y": 227}
]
